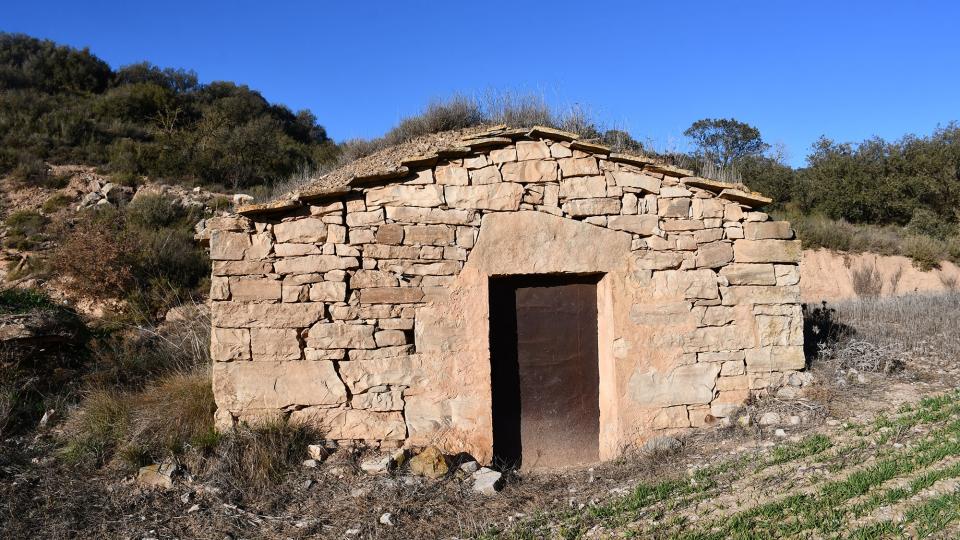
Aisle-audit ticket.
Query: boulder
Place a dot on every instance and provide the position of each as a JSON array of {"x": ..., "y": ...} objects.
[
  {"x": 487, "y": 481},
  {"x": 158, "y": 475},
  {"x": 430, "y": 463}
]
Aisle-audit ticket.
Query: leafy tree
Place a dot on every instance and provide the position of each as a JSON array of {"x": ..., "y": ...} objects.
[{"x": 724, "y": 141}]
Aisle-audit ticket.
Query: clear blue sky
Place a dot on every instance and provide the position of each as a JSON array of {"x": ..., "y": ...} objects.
[{"x": 849, "y": 70}]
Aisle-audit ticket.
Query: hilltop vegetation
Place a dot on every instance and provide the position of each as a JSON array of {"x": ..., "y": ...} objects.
[{"x": 63, "y": 105}]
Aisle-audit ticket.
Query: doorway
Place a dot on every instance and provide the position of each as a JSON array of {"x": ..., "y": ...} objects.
[{"x": 544, "y": 370}]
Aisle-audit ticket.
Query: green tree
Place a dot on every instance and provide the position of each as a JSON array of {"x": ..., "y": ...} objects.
[{"x": 724, "y": 141}]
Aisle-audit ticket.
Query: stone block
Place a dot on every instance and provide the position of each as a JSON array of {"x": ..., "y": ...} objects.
[
  {"x": 758, "y": 294},
  {"x": 378, "y": 251},
  {"x": 241, "y": 268},
  {"x": 532, "y": 150},
  {"x": 362, "y": 279},
  {"x": 276, "y": 385},
  {"x": 476, "y": 162},
  {"x": 732, "y": 212},
  {"x": 767, "y": 230},
  {"x": 353, "y": 424},
  {"x": 253, "y": 289},
  {"x": 671, "y": 417},
  {"x": 775, "y": 359},
  {"x": 718, "y": 338},
  {"x": 391, "y": 295},
  {"x": 684, "y": 385},
  {"x": 486, "y": 175},
  {"x": 675, "y": 208},
  {"x": 714, "y": 254},
  {"x": 397, "y": 371},
  {"x": 499, "y": 196},
  {"x": 389, "y": 338},
  {"x": 305, "y": 230},
  {"x": 274, "y": 344},
  {"x": 228, "y": 344},
  {"x": 503, "y": 155},
  {"x": 636, "y": 180},
  {"x": 311, "y": 264},
  {"x": 530, "y": 171},
  {"x": 219, "y": 288},
  {"x": 787, "y": 274},
  {"x": 658, "y": 260},
  {"x": 584, "y": 166},
  {"x": 390, "y": 234},
  {"x": 379, "y": 399},
  {"x": 749, "y": 274},
  {"x": 644, "y": 225},
  {"x": 365, "y": 219},
  {"x": 407, "y": 214},
  {"x": 296, "y": 250},
  {"x": 674, "y": 225},
  {"x": 767, "y": 251},
  {"x": 583, "y": 187},
  {"x": 328, "y": 291},
  {"x": 228, "y": 246},
  {"x": 779, "y": 330},
  {"x": 452, "y": 175},
  {"x": 358, "y": 236},
  {"x": 235, "y": 315},
  {"x": 674, "y": 191},
  {"x": 340, "y": 335},
  {"x": 592, "y": 207},
  {"x": 400, "y": 195},
  {"x": 294, "y": 293}
]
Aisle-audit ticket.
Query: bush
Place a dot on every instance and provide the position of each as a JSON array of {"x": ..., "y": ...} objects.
[
  {"x": 155, "y": 211},
  {"x": 95, "y": 256},
  {"x": 926, "y": 252},
  {"x": 25, "y": 228},
  {"x": 15, "y": 301},
  {"x": 56, "y": 203}
]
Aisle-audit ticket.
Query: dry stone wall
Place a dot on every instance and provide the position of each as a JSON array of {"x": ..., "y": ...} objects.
[{"x": 351, "y": 312}]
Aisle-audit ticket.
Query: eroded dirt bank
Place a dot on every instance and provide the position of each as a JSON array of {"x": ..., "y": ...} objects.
[{"x": 834, "y": 276}]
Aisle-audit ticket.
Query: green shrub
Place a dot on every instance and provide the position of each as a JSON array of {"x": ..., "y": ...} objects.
[
  {"x": 56, "y": 203},
  {"x": 926, "y": 223},
  {"x": 926, "y": 252},
  {"x": 155, "y": 211},
  {"x": 24, "y": 300},
  {"x": 25, "y": 228}
]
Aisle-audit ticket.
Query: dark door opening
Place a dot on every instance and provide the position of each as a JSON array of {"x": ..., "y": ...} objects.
[{"x": 544, "y": 370}]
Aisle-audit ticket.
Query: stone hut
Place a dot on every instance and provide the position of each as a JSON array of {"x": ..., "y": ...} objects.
[{"x": 517, "y": 294}]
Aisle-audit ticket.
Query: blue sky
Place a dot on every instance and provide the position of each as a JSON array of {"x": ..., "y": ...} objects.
[{"x": 797, "y": 70}]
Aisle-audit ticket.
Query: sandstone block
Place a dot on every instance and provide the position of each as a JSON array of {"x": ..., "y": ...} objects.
[
  {"x": 592, "y": 207},
  {"x": 294, "y": 293},
  {"x": 228, "y": 246},
  {"x": 400, "y": 195},
  {"x": 532, "y": 150},
  {"x": 645, "y": 182},
  {"x": 707, "y": 208},
  {"x": 779, "y": 330},
  {"x": 674, "y": 191},
  {"x": 749, "y": 274},
  {"x": 306, "y": 230},
  {"x": 274, "y": 344},
  {"x": 228, "y": 344},
  {"x": 727, "y": 403},
  {"x": 391, "y": 295},
  {"x": 379, "y": 399},
  {"x": 714, "y": 254},
  {"x": 673, "y": 225},
  {"x": 314, "y": 263},
  {"x": 339, "y": 335},
  {"x": 406, "y": 214},
  {"x": 435, "y": 235},
  {"x": 365, "y": 219},
  {"x": 684, "y": 385},
  {"x": 499, "y": 196},
  {"x": 452, "y": 175},
  {"x": 718, "y": 338},
  {"x": 585, "y": 166},
  {"x": 768, "y": 230},
  {"x": 390, "y": 234},
  {"x": 252, "y": 289},
  {"x": 296, "y": 250},
  {"x": 671, "y": 417},
  {"x": 775, "y": 359},
  {"x": 503, "y": 155},
  {"x": 241, "y": 268},
  {"x": 643, "y": 225},
  {"x": 787, "y": 274},
  {"x": 530, "y": 171},
  {"x": 583, "y": 187},
  {"x": 732, "y": 212},
  {"x": 328, "y": 291},
  {"x": 658, "y": 260},
  {"x": 276, "y": 385},
  {"x": 757, "y": 294},
  {"x": 219, "y": 288},
  {"x": 389, "y": 338},
  {"x": 486, "y": 175},
  {"x": 353, "y": 424},
  {"x": 476, "y": 162},
  {"x": 732, "y": 367},
  {"x": 234, "y": 315},
  {"x": 362, "y": 279},
  {"x": 767, "y": 251},
  {"x": 675, "y": 208},
  {"x": 708, "y": 235},
  {"x": 660, "y": 314},
  {"x": 397, "y": 371}
]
